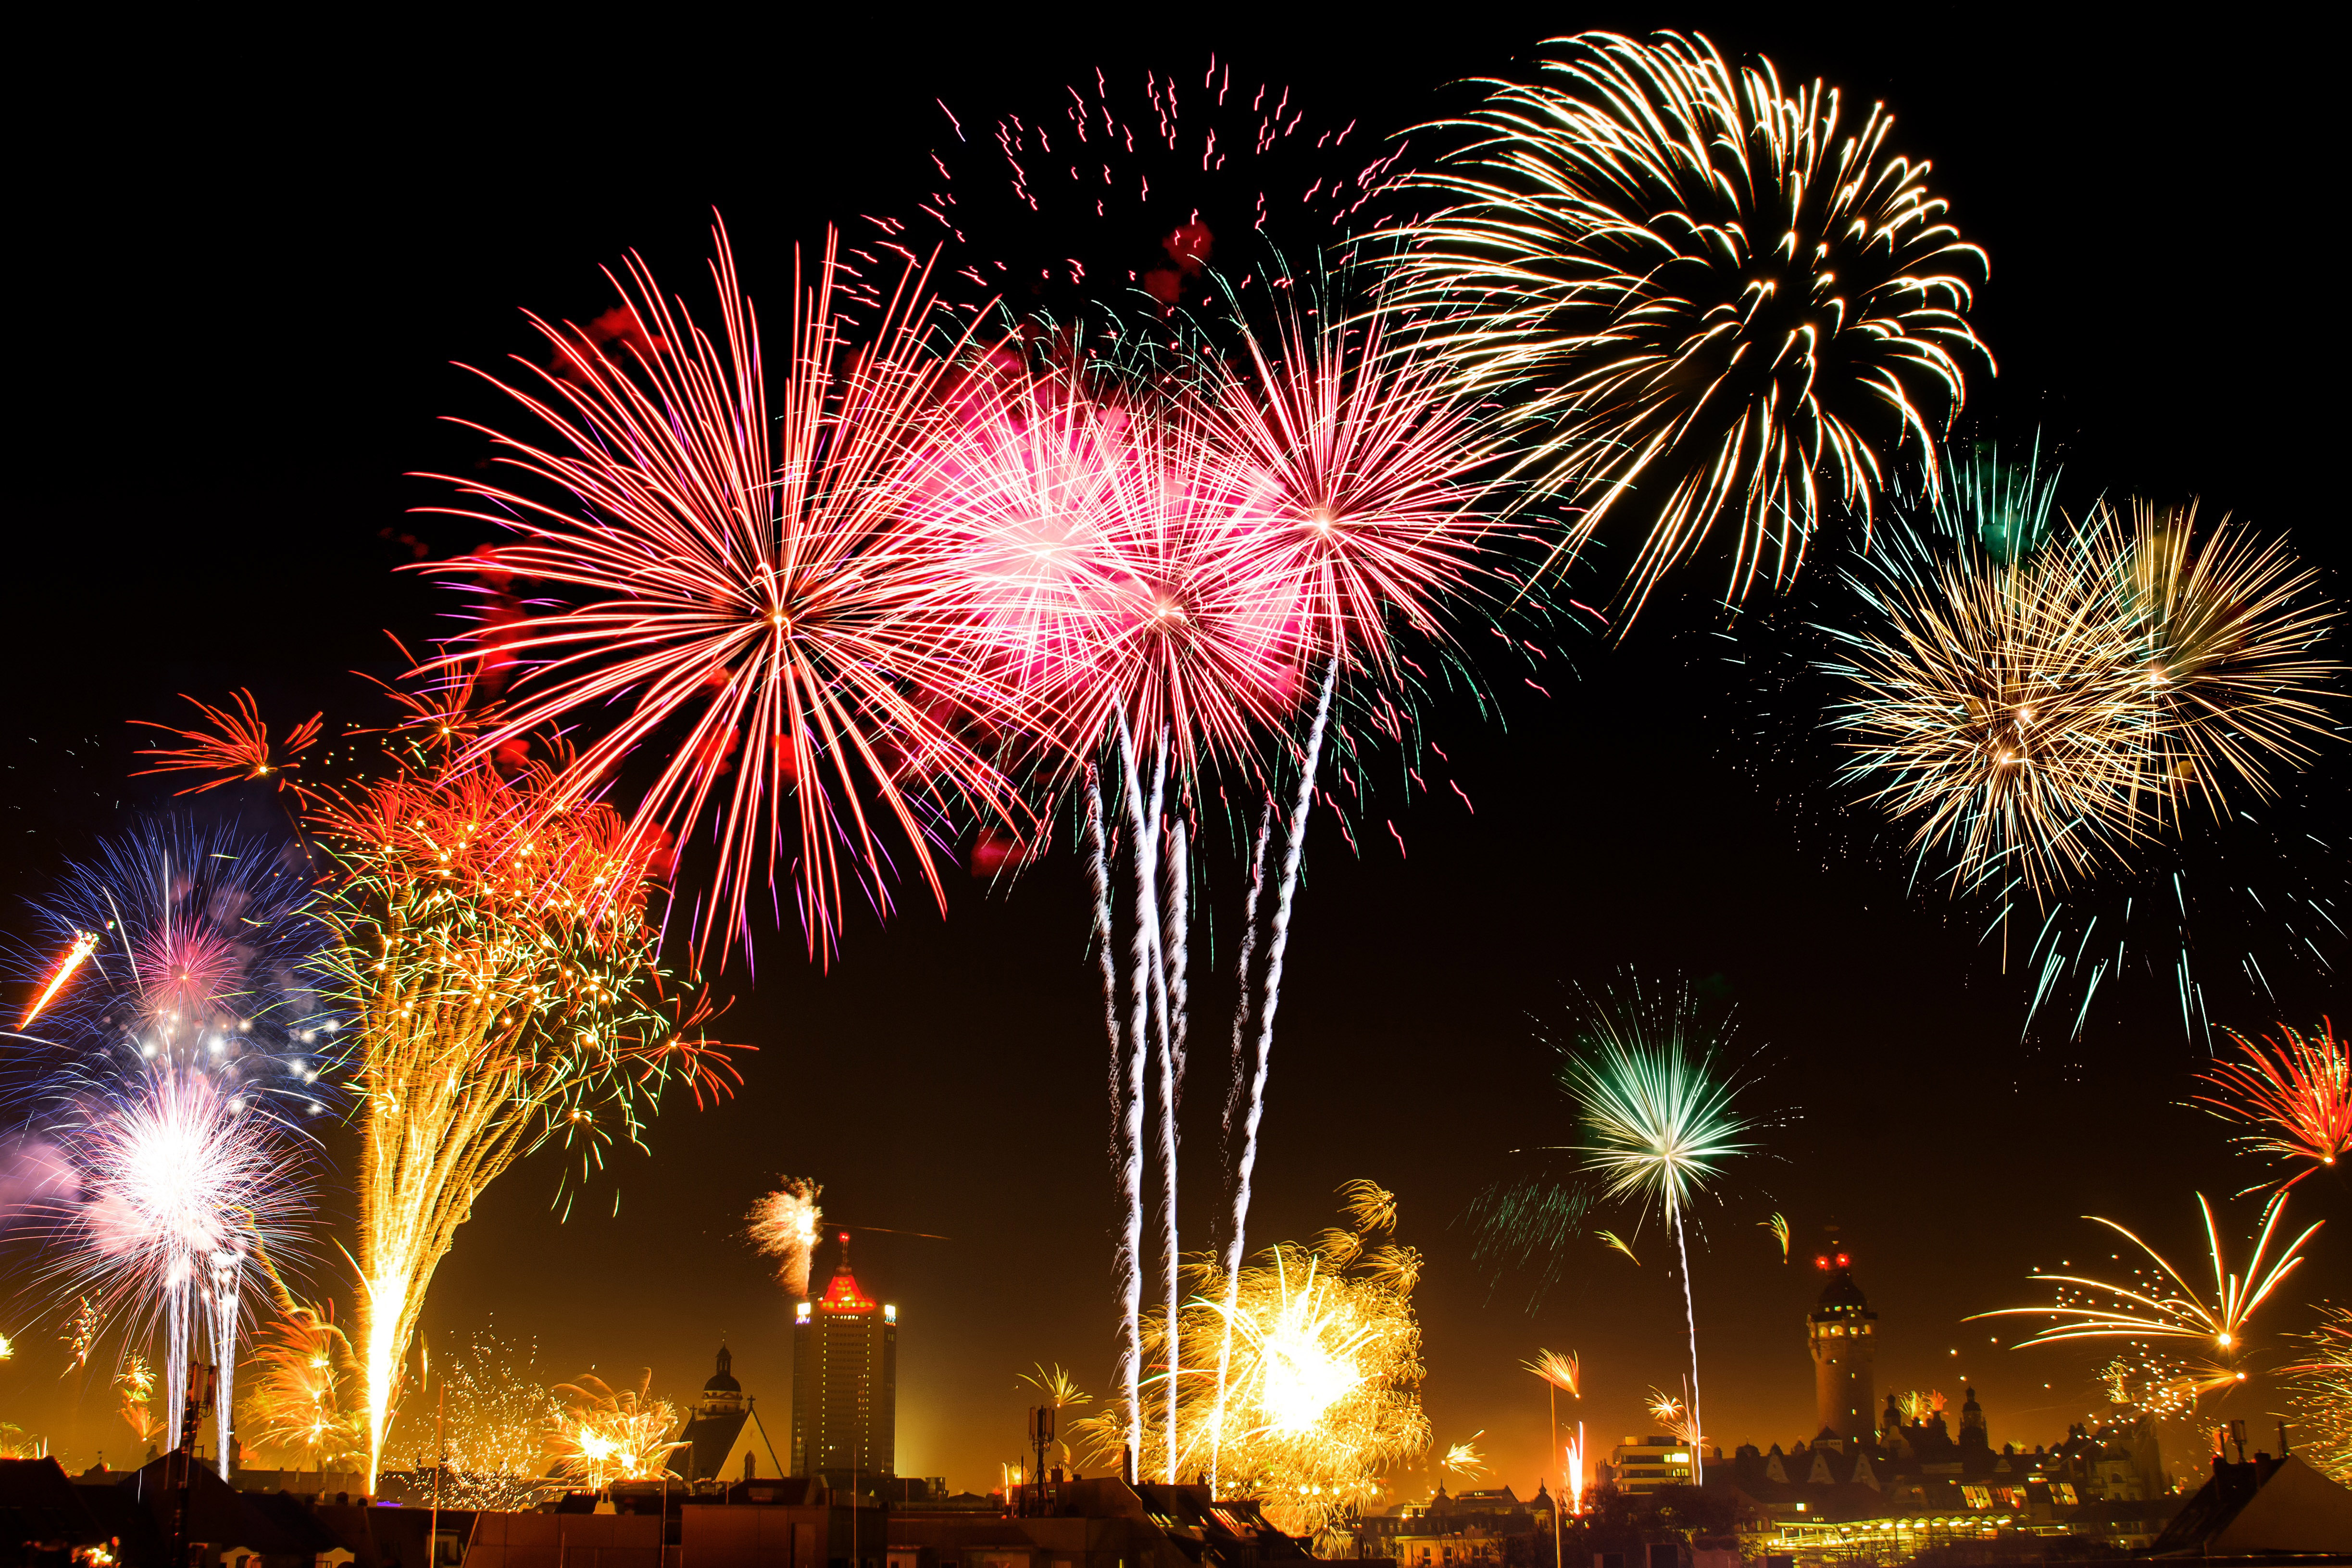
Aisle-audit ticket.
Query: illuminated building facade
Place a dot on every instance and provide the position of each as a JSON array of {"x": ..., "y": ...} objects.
[
  {"x": 1841, "y": 1330},
  {"x": 1641, "y": 1464},
  {"x": 846, "y": 1385}
]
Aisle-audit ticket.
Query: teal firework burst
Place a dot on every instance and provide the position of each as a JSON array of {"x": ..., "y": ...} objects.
[{"x": 1657, "y": 1112}]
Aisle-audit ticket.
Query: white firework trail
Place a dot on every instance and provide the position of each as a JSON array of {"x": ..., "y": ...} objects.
[{"x": 1271, "y": 997}]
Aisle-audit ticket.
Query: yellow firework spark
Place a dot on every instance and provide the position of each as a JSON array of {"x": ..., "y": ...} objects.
[
  {"x": 1464, "y": 1458},
  {"x": 2321, "y": 1388},
  {"x": 2163, "y": 1305},
  {"x": 2144, "y": 1381},
  {"x": 135, "y": 1388},
  {"x": 784, "y": 1228},
  {"x": 2035, "y": 712},
  {"x": 1916, "y": 1405},
  {"x": 1061, "y": 1393},
  {"x": 1719, "y": 303},
  {"x": 1779, "y": 1226},
  {"x": 1672, "y": 1419},
  {"x": 1612, "y": 1239},
  {"x": 1322, "y": 1395},
  {"x": 1369, "y": 1207},
  {"x": 602, "y": 1436},
  {"x": 494, "y": 945},
  {"x": 486, "y": 1417},
  {"x": 298, "y": 1405},
  {"x": 82, "y": 1333},
  {"x": 1562, "y": 1372}
]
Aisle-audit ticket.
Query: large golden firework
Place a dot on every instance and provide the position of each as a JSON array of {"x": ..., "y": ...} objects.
[
  {"x": 2033, "y": 713},
  {"x": 299, "y": 1405},
  {"x": 493, "y": 944},
  {"x": 2161, "y": 1304},
  {"x": 601, "y": 1434},
  {"x": 1714, "y": 301},
  {"x": 1322, "y": 1398}
]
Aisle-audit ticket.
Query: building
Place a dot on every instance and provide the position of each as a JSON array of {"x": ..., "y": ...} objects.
[
  {"x": 1840, "y": 1330},
  {"x": 724, "y": 1440},
  {"x": 1641, "y": 1464},
  {"x": 845, "y": 1386}
]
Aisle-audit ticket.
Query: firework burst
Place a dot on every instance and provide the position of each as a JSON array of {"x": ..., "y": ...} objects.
[
  {"x": 2037, "y": 709},
  {"x": 299, "y": 1402},
  {"x": 1321, "y": 1397},
  {"x": 1561, "y": 1372},
  {"x": 2164, "y": 1305},
  {"x": 182, "y": 1183},
  {"x": 1714, "y": 305},
  {"x": 2321, "y": 1388},
  {"x": 1779, "y": 1225},
  {"x": 601, "y": 1435},
  {"x": 494, "y": 943},
  {"x": 2294, "y": 1093},
  {"x": 236, "y": 747},
  {"x": 784, "y": 1228},
  {"x": 748, "y": 596},
  {"x": 2044, "y": 704},
  {"x": 1658, "y": 1118},
  {"x": 1149, "y": 187},
  {"x": 1672, "y": 1419},
  {"x": 186, "y": 947}
]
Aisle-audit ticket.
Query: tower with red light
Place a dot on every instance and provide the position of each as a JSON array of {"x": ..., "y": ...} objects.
[
  {"x": 1842, "y": 1328},
  {"x": 846, "y": 1385}
]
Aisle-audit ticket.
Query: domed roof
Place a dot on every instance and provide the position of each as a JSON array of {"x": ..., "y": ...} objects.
[{"x": 723, "y": 1380}]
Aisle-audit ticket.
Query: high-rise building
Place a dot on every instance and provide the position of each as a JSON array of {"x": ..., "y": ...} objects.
[
  {"x": 1840, "y": 1328},
  {"x": 846, "y": 1385}
]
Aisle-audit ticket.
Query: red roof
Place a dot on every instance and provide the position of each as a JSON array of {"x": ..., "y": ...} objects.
[{"x": 843, "y": 1295}]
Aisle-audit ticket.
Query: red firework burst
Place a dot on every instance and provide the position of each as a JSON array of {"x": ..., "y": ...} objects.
[
  {"x": 754, "y": 608},
  {"x": 238, "y": 747},
  {"x": 2295, "y": 1092}
]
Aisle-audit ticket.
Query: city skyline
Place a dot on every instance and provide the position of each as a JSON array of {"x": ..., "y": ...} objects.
[{"x": 1649, "y": 803}]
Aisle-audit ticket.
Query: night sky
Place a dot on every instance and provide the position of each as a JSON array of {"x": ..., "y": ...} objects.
[{"x": 248, "y": 262}]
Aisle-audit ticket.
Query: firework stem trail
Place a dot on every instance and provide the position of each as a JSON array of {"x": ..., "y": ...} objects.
[
  {"x": 1139, "y": 991},
  {"x": 1098, "y": 870},
  {"x": 1690, "y": 1316},
  {"x": 1242, "y": 965},
  {"x": 1171, "y": 1080},
  {"x": 1277, "y": 943},
  {"x": 1233, "y": 1097}
]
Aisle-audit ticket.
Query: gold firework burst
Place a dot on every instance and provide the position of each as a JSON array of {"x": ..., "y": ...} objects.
[{"x": 1717, "y": 302}]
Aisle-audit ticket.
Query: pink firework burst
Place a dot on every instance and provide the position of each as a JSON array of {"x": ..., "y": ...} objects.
[
  {"x": 1355, "y": 462},
  {"x": 182, "y": 1183},
  {"x": 2295, "y": 1092},
  {"x": 1119, "y": 584},
  {"x": 747, "y": 595}
]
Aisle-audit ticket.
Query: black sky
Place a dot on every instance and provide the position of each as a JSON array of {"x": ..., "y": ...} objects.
[{"x": 247, "y": 259}]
